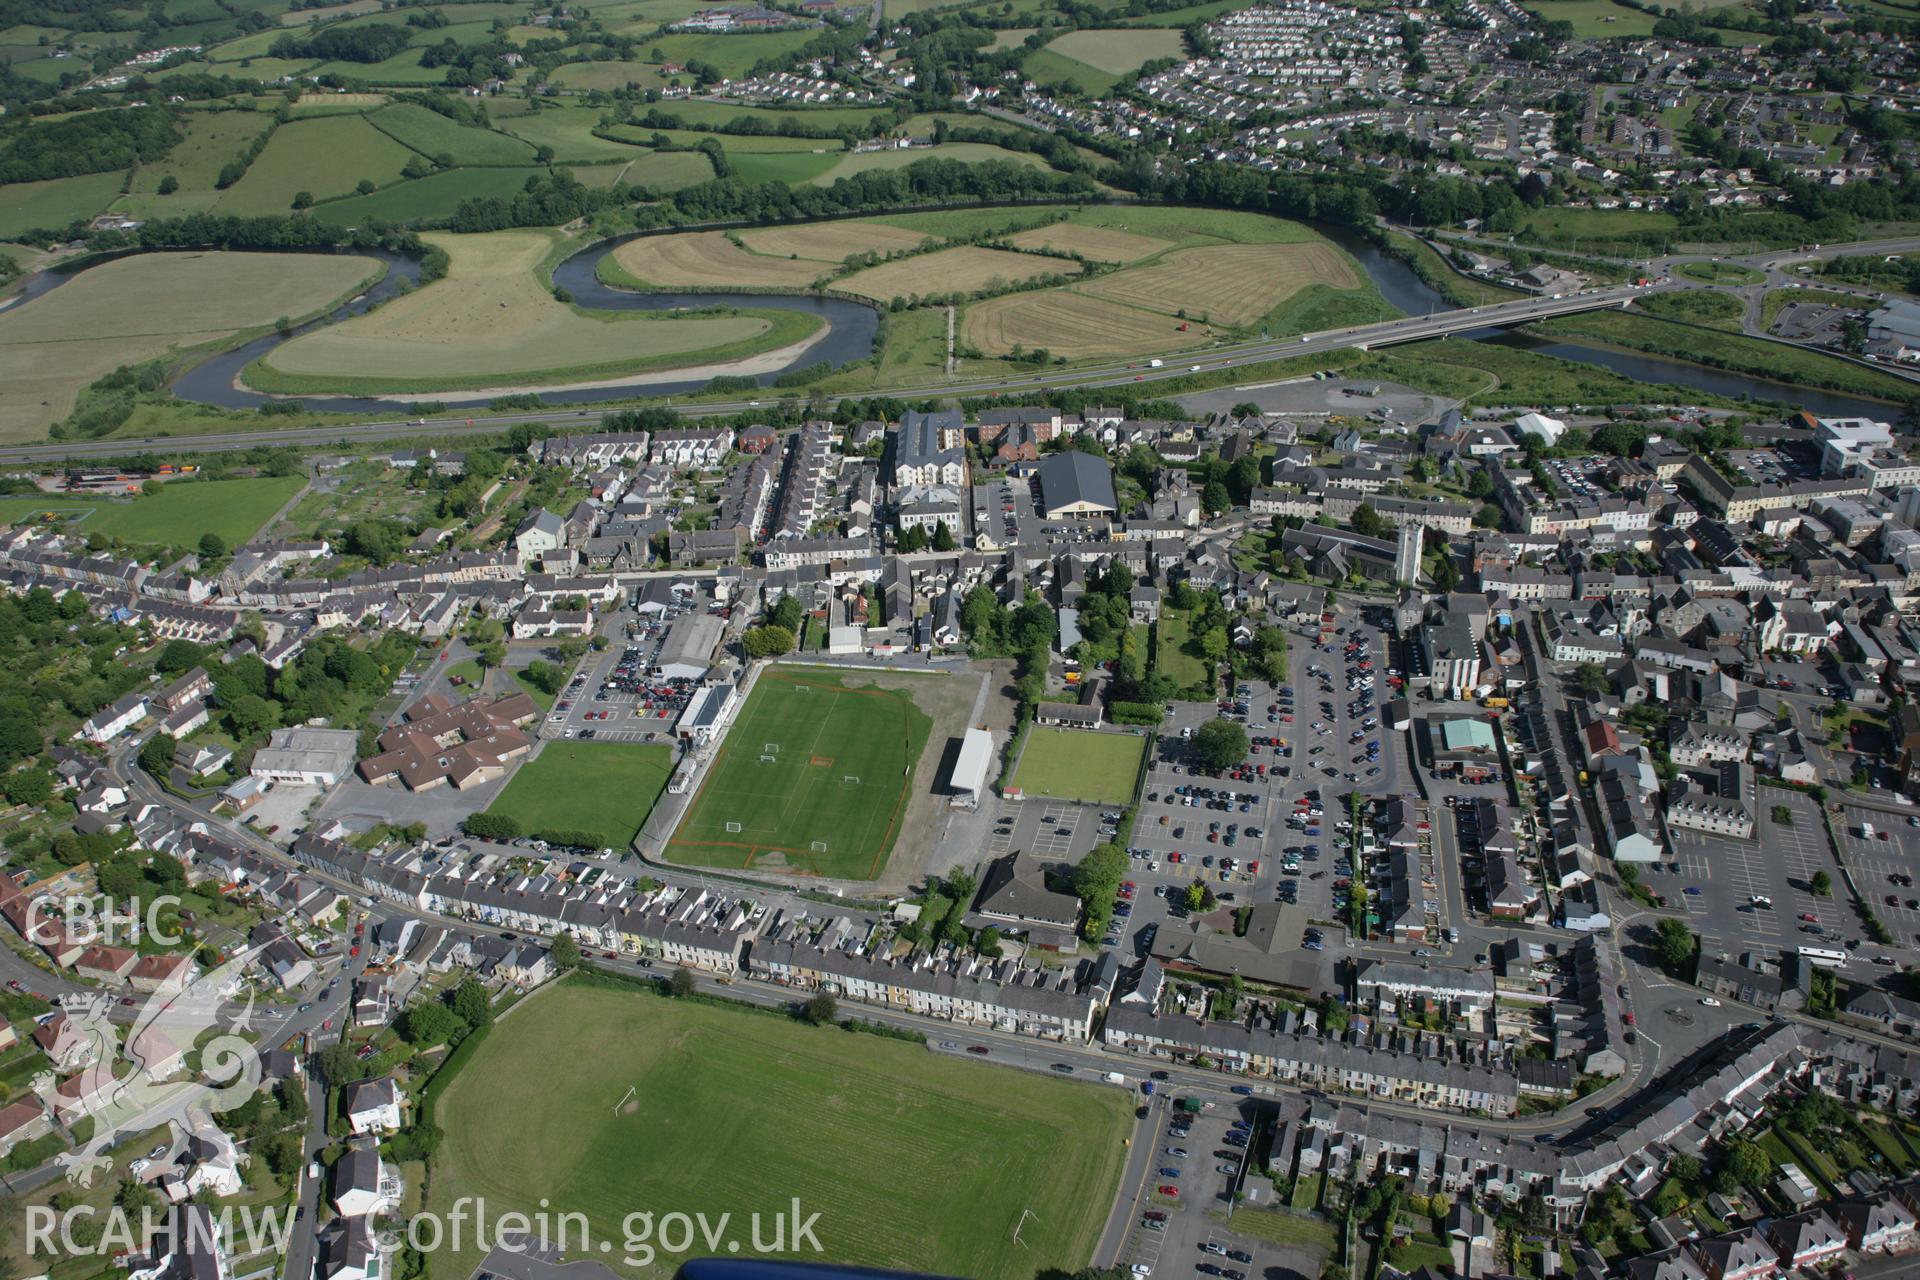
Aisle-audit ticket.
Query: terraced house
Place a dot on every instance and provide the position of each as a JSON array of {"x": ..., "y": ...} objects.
[
  {"x": 1296, "y": 1058},
  {"x": 972, "y": 990}
]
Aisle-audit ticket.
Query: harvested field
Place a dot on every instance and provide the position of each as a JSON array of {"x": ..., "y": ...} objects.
[
  {"x": 831, "y": 241},
  {"x": 958, "y": 270},
  {"x": 1097, "y": 244},
  {"x": 492, "y": 323},
  {"x": 708, "y": 258},
  {"x": 138, "y": 308},
  {"x": 1230, "y": 284},
  {"x": 1072, "y": 325}
]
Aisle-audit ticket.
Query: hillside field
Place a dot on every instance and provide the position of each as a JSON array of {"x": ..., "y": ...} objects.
[{"x": 324, "y": 157}]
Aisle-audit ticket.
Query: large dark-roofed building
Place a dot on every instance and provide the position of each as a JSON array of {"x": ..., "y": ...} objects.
[{"x": 1075, "y": 485}]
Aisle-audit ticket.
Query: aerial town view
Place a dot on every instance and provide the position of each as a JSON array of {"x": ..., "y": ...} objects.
[{"x": 999, "y": 639}]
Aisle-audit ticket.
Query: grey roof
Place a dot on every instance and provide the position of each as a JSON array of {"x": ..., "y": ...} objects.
[{"x": 1071, "y": 476}]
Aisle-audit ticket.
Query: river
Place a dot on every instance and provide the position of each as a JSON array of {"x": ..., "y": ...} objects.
[
  {"x": 852, "y": 328},
  {"x": 1402, "y": 287}
]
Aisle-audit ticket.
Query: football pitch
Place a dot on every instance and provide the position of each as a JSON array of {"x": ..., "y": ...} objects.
[
  {"x": 814, "y": 775},
  {"x": 914, "y": 1161}
]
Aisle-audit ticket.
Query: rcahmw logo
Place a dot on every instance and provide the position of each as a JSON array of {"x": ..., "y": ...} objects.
[
  {"x": 88, "y": 921},
  {"x": 86, "y": 1231}
]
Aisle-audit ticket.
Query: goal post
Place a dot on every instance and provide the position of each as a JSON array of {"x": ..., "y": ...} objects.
[
  {"x": 849, "y": 779},
  {"x": 733, "y": 828},
  {"x": 766, "y": 759},
  {"x": 819, "y": 846},
  {"x": 772, "y": 748}
]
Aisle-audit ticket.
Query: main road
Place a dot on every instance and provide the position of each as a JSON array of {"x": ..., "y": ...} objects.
[{"x": 1386, "y": 333}]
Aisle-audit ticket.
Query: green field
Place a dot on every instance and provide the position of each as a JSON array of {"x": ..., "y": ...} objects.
[
  {"x": 1170, "y": 656},
  {"x": 214, "y": 138},
  {"x": 174, "y": 517},
  {"x": 668, "y": 170},
  {"x": 714, "y": 113},
  {"x": 324, "y": 157},
  {"x": 1596, "y": 19},
  {"x": 569, "y": 131},
  {"x": 1724, "y": 273},
  {"x": 609, "y": 787},
  {"x": 1117, "y": 51},
  {"x": 914, "y": 1161},
  {"x": 1080, "y": 764},
  {"x": 791, "y": 167},
  {"x": 966, "y": 152},
  {"x": 733, "y": 53},
  {"x": 435, "y": 196},
  {"x": 27, "y": 206},
  {"x": 1695, "y": 306},
  {"x": 822, "y": 731},
  {"x": 433, "y": 135},
  {"x": 1056, "y": 71}
]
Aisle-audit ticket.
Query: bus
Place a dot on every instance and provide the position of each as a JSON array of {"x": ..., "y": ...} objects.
[{"x": 1824, "y": 955}]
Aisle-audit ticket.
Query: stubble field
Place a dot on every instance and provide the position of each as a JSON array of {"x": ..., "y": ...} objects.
[
  {"x": 963, "y": 269},
  {"x": 491, "y": 323},
  {"x": 140, "y": 308}
]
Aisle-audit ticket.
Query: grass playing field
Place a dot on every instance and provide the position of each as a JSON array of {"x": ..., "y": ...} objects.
[
  {"x": 914, "y": 1161},
  {"x": 1076, "y": 764},
  {"x": 176, "y": 516},
  {"x": 139, "y": 308},
  {"x": 813, "y": 760},
  {"x": 492, "y": 323},
  {"x": 609, "y": 787}
]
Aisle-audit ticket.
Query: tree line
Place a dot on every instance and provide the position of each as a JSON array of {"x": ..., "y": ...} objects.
[{"x": 375, "y": 42}]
